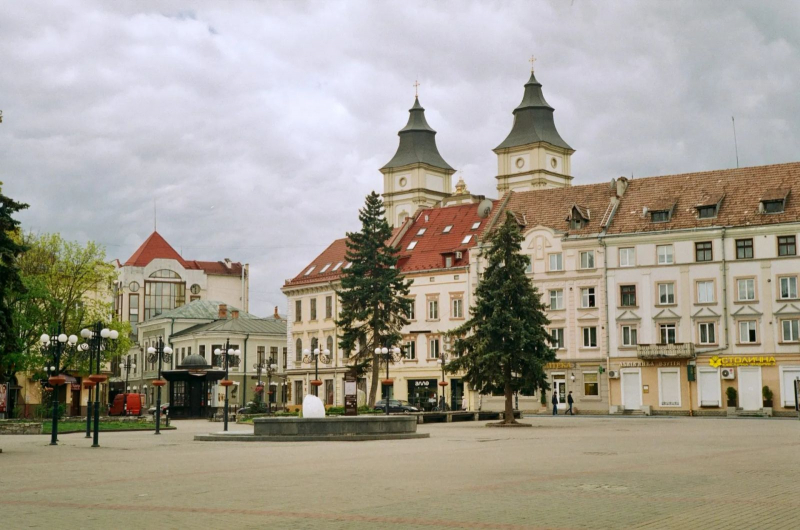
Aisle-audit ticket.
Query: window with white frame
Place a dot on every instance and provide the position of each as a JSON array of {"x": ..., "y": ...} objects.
[
  {"x": 411, "y": 314},
  {"x": 705, "y": 292},
  {"x": 411, "y": 245},
  {"x": 668, "y": 333},
  {"x": 747, "y": 331},
  {"x": 588, "y": 298},
  {"x": 590, "y": 384},
  {"x": 529, "y": 265},
  {"x": 557, "y": 335},
  {"x": 629, "y": 336},
  {"x": 458, "y": 308},
  {"x": 433, "y": 351},
  {"x": 789, "y": 287},
  {"x": 665, "y": 254},
  {"x": 666, "y": 293},
  {"x": 746, "y": 289},
  {"x": 447, "y": 229},
  {"x": 627, "y": 257},
  {"x": 587, "y": 259},
  {"x": 466, "y": 239},
  {"x": 433, "y": 309},
  {"x": 557, "y": 262},
  {"x": 590, "y": 337},
  {"x": 790, "y": 330},
  {"x": 556, "y": 299},
  {"x": 707, "y": 333}
]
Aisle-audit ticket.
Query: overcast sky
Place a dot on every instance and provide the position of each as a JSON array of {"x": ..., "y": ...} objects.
[{"x": 260, "y": 127}]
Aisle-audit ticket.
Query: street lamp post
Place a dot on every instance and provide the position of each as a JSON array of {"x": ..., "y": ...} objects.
[
  {"x": 444, "y": 358},
  {"x": 55, "y": 378},
  {"x": 98, "y": 341},
  {"x": 315, "y": 354},
  {"x": 160, "y": 354},
  {"x": 127, "y": 366},
  {"x": 271, "y": 369},
  {"x": 231, "y": 358},
  {"x": 389, "y": 355}
]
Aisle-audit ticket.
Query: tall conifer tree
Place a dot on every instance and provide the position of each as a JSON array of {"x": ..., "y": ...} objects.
[
  {"x": 505, "y": 345},
  {"x": 373, "y": 294},
  {"x": 10, "y": 281}
]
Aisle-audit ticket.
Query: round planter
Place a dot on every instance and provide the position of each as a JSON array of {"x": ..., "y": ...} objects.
[
  {"x": 159, "y": 382},
  {"x": 387, "y": 382},
  {"x": 316, "y": 382},
  {"x": 443, "y": 383},
  {"x": 226, "y": 382},
  {"x": 89, "y": 384},
  {"x": 768, "y": 403},
  {"x": 98, "y": 378},
  {"x": 56, "y": 380}
]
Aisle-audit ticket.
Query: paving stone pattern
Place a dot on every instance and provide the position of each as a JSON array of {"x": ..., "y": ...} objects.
[{"x": 563, "y": 473}]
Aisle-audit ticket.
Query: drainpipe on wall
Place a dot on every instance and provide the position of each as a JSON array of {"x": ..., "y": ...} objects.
[
  {"x": 244, "y": 371},
  {"x": 608, "y": 330}
]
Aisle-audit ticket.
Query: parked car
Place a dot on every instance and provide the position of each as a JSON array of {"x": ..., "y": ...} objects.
[
  {"x": 164, "y": 407},
  {"x": 126, "y": 406},
  {"x": 396, "y": 405}
]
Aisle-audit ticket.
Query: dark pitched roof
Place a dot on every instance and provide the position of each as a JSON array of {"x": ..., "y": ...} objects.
[
  {"x": 741, "y": 190},
  {"x": 253, "y": 326},
  {"x": 533, "y": 120},
  {"x": 417, "y": 142}
]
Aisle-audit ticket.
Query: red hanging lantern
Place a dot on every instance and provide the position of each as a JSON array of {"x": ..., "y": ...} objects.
[
  {"x": 159, "y": 382},
  {"x": 226, "y": 382}
]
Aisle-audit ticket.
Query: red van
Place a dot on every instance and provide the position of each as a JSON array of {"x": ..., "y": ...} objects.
[{"x": 126, "y": 405}]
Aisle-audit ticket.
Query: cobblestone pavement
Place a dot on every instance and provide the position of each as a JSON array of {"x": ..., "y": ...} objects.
[{"x": 563, "y": 473}]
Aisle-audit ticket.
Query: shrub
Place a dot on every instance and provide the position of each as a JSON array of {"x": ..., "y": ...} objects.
[
  {"x": 767, "y": 393},
  {"x": 731, "y": 393}
]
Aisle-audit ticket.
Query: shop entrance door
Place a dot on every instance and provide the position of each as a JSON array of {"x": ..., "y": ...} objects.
[
  {"x": 631, "y": 388},
  {"x": 560, "y": 389},
  {"x": 750, "y": 387},
  {"x": 456, "y": 394},
  {"x": 76, "y": 402}
]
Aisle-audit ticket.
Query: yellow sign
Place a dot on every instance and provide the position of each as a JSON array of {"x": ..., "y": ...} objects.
[
  {"x": 752, "y": 360},
  {"x": 557, "y": 366}
]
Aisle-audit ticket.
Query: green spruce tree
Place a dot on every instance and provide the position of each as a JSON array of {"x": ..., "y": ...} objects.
[
  {"x": 10, "y": 282},
  {"x": 504, "y": 345},
  {"x": 373, "y": 295}
]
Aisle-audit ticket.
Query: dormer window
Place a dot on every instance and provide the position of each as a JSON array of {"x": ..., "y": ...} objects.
[
  {"x": 337, "y": 266},
  {"x": 326, "y": 267},
  {"x": 411, "y": 245},
  {"x": 707, "y": 212},
  {"x": 447, "y": 229},
  {"x": 773, "y": 201},
  {"x": 576, "y": 223},
  {"x": 421, "y": 231},
  {"x": 310, "y": 270},
  {"x": 578, "y": 217},
  {"x": 660, "y": 216}
]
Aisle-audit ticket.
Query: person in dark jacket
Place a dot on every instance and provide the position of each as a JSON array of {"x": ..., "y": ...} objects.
[
  {"x": 555, "y": 404},
  {"x": 570, "y": 401}
]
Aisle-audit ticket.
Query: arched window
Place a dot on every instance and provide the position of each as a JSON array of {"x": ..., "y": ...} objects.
[
  {"x": 298, "y": 350},
  {"x": 166, "y": 273},
  {"x": 314, "y": 343},
  {"x": 330, "y": 345}
]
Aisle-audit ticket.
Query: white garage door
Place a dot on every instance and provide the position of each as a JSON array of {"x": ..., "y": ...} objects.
[
  {"x": 669, "y": 387},
  {"x": 750, "y": 387},
  {"x": 787, "y": 388},
  {"x": 631, "y": 390},
  {"x": 710, "y": 388}
]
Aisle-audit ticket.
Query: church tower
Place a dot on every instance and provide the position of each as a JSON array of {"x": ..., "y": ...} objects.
[
  {"x": 417, "y": 176},
  {"x": 533, "y": 155}
]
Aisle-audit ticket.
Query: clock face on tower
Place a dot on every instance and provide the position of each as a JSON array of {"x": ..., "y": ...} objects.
[{"x": 553, "y": 163}]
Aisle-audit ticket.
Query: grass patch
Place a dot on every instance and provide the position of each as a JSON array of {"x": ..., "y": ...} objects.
[{"x": 80, "y": 426}]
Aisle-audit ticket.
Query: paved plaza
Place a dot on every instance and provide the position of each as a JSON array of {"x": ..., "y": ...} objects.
[{"x": 581, "y": 472}]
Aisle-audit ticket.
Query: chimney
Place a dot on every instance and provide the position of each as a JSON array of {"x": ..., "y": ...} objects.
[
  {"x": 622, "y": 185},
  {"x": 223, "y": 310},
  {"x": 228, "y": 262},
  {"x": 234, "y": 313},
  {"x": 276, "y": 315}
]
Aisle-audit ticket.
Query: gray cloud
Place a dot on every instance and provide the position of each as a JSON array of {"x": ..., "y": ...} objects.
[{"x": 260, "y": 127}]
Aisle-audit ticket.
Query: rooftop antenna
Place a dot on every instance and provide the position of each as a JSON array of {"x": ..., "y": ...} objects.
[{"x": 735, "y": 144}]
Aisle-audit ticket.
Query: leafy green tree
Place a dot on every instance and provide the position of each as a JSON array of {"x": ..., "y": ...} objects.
[
  {"x": 10, "y": 281},
  {"x": 504, "y": 345},
  {"x": 373, "y": 294}
]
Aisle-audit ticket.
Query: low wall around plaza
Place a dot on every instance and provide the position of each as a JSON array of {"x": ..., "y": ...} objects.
[{"x": 20, "y": 427}]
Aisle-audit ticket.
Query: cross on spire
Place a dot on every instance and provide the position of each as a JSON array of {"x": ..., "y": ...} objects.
[
  {"x": 532, "y": 60},
  {"x": 416, "y": 89}
]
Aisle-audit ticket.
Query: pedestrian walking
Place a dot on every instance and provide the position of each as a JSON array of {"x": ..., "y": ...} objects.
[
  {"x": 570, "y": 401},
  {"x": 555, "y": 404}
]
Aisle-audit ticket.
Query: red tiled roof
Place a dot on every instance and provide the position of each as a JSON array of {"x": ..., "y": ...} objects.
[
  {"x": 740, "y": 189},
  {"x": 427, "y": 253},
  {"x": 156, "y": 247}
]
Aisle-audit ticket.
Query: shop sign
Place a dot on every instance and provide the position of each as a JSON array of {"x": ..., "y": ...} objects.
[
  {"x": 641, "y": 364},
  {"x": 559, "y": 366},
  {"x": 422, "y": 383},
  {"x": 744, "y": 360}
]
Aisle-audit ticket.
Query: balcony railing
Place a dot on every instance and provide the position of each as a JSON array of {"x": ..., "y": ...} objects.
[{"x": 665, "y": 351}]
